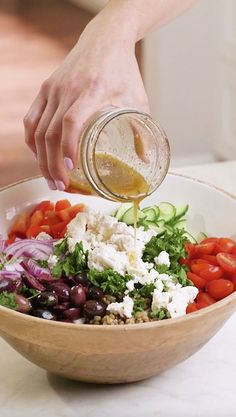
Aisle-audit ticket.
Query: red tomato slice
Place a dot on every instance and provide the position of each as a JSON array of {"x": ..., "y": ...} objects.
[
  {"x": 202, "y": 304},
  {"x": 234, "y": 250},
  {"x": 204, "y": 249},
  {"x": 58, "y": 228},
  {"x": 210, "y": 272},
  {"x": 198, "y": 267},
  {"x": 219, "y": 288},
  {"x": 209, "y": 239},
  {"x": 62, "y": 205},
  {"x": 196, "y": 280},
  {"x": 35, "y": 230},
  {"x": 190, "y": 249},
  {"x": 191, "y": 308},
  {"x": 19, "y": 226},
  {"x": 203, "y": 297},
  {"x": 225, "y": 245},
  {"x": 44, "y": 206},
  {"x": 36, "y": 218},
  {"x": 233, "y": 280},
  {"x": 227, "y": 261},
  {"x": 211, "y": 259}
]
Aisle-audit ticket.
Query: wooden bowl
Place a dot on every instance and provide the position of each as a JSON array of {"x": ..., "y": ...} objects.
[{"x": 123, "y": 353}]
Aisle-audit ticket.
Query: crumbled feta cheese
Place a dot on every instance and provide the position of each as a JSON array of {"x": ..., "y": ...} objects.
[
  {"x": 130, "y": 285},
  {"x": 175, "y": 301},
  {"x": 43, "y": 236},
  {"x": 162, "y": 259},
  {"x": 52, "y": 261},
  {"x": 125, "y": 308}
]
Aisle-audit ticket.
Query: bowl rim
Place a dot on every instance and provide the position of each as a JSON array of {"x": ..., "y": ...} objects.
[{"x": 148, "y": 325}]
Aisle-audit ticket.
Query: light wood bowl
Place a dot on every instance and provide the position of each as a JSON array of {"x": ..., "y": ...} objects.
[{"x": 123, "y": 353}]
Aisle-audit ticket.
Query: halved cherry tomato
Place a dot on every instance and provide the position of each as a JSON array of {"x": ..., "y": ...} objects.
[
  {"x": 219, "y": 288},
  {"x": 191, "y": 308},
  {"x": 11, "y": 240},
  {"x": 204, "y": 249},
  {"x": 190, "y": 249},
  {"x": 234, "y": 250},
  {"x": 202, "y": 304},
  {"x": 196, "y": 268},
  {"x": 51, "y": 218},
  {"x": 227, "y": 261},
  {"x": 225, "y": 245},
  {"x": 211, "y": 259},
  {"x": 210, "y": 272},
  {"x": 35, "y": 230},
  {"x": 209, "y": 239},
  {"x": 233, "y": 280},
  {"x": 196, "y": 280},
  {"x": 205, "y": 298},
  {"x": 62, "y": 205}
]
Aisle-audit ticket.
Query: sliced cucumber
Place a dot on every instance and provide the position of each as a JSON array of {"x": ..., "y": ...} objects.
[
  {"x": 190, "y": 237},
  {"x": 180, "y": 224},
  {"x": 157, "y": 211},
  {"x": 167, "y": 211},
  {"x": 181, "y": 211},
  {"x": 128, "y": 216},
  {"x": 150, "y": 213},
  {"x": 122, "y": 209},
  {"x": 201, "y": 236},
  {"x": 159, "y": 227}
]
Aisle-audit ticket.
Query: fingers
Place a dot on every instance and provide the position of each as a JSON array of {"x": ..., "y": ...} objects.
[
  {"x": 40, "y": 141},
  {"x": 32, "y": 119}
]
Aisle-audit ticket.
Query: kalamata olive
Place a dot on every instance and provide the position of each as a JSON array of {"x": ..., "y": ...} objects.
[
  {"x": 61, "y": 289},
  {"x": 71, "y": 314},
  {"x": 10, "y": 284},
  {"x": 61, "y": 307},
  {"x": 43, "y": 314},
  {"x": 77, "y": 295},
  {"x": 94, "y": 308},
  {"x": 47, "y": 299},
  {"x": 94, "y": 293},
  {"x": 23, "y": 304},
  {"x": 82, "y": 279}
]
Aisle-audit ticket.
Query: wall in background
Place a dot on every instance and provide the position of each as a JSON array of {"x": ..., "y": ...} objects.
[{"x": 181, "y": 74}]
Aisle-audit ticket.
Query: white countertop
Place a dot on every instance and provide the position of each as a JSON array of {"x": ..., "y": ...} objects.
[{"x": 202, "y": 386}]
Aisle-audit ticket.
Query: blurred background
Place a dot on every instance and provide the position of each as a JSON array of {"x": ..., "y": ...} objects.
[{"x": 189, "y": 69}]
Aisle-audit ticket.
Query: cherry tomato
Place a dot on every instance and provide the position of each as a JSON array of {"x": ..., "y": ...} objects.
[
  {"x": 191, "y": 308},
  {"x": 196, "y": 280},
  {"x": 210, "y": 272},
  {"x": 227, "y": 261},
  {"x": 204, "y": 249},
  {"x": 203, "y": 297},
  {"x": 202, "y": 304},
  {"x": 198, "y": 267},
  {"x": 225, "y": 245},
  {"x": 190, "y": 249},
  {"x": 234, "y": 250},
  {"x": 233, "y": 280},
  {"x": 219, "y": 288},
  {"x": 209, "y": 239},
  {"x": 211, "y": 259}
]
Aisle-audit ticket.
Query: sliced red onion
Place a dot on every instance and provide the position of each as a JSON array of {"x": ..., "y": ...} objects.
[
  {"x": 34, "y": 268},
  {"x": 32, "y": 282},
  {"x": 2, "y": 245},
  {"x": 9, "y": 274},
  {"x": 38, "y": 249}
]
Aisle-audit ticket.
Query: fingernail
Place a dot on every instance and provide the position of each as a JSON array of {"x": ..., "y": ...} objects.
[
  {"x": 69, "y": 163},
  {"x": 51, "y": 184},
  {"x": 60, "y": 185}
]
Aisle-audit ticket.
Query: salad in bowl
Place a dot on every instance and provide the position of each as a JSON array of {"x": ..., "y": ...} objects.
[{"x": 74, "y": 264}]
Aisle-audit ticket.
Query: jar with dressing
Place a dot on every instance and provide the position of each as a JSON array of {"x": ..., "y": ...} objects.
[{"x": 123, "y": 156}]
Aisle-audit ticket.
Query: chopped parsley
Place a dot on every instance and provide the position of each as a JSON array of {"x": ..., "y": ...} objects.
[
  {"x": 69, "y": 263},
  {"x": 8, "y": 299},
  {"x": 159, "y": 314},
  {"x": 111, "y": 282}
]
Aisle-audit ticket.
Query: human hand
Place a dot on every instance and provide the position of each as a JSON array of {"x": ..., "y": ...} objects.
[{"x": 100, "y": 71}]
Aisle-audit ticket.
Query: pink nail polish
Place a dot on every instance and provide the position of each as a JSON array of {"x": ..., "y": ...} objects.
[
  {"x": 60, "y": 185},
  {"x": 69, "y": 163},
  {"x": 51, "y": 184}
]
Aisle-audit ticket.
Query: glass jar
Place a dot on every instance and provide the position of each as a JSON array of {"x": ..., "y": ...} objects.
[{"x": 123, "y": 156}]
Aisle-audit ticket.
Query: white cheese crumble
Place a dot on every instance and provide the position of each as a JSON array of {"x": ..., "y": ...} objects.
[
  {"x": 162, "y": 259},
  {"x": 125, "y": 308},
  {"x": 52, "y": 261},
  {"x": 43, "y": 236},
  {"x": 175, "y": 301}
]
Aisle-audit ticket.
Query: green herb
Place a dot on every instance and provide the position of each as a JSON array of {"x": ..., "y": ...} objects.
[
  {"x": 174, "y": 244},
  {"x": 145, "y": 291},
  {"x": 111, "y": 282},
  {"x": 69, "y": 263},
  {"x": 159, "y": 314},
  {"x": 140, "y": 304},
  {"x": 8, "y": 300},
  {"x": 32, "y": 293},
  {"x": 43, "y": 263}
]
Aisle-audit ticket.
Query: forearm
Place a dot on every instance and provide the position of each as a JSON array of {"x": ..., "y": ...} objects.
[{"x": 142, "y": 15}]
